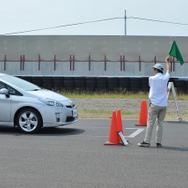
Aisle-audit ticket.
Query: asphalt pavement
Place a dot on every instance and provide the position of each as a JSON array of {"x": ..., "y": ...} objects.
[{"x": 75, "y": 156}]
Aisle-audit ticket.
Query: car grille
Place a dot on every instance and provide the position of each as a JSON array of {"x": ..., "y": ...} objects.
[{"x": 69, "y": 119}]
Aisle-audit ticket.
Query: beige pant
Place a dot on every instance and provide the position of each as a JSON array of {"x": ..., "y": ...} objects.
[{"x": 155, "y": 113}]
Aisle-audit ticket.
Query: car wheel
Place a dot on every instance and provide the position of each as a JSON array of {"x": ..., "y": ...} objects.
[{"x": 29, "y": 120}]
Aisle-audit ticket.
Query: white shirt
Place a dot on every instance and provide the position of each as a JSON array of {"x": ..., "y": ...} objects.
[{"x": 158, "y": 89}]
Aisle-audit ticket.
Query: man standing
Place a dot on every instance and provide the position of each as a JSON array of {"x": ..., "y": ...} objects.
[{"x": 158, "y": 102}]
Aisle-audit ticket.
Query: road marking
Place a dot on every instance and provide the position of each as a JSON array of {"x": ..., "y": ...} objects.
[{"x": 134, "y": 134}]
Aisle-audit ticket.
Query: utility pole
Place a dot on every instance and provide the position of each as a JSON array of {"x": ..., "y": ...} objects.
[{"x": 125, "y": 23}]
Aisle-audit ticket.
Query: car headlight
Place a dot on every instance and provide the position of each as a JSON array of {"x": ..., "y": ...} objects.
[{"x": 51, "y": 102}]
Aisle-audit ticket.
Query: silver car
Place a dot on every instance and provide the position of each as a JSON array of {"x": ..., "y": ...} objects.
[{"x": 30, "y": 107}]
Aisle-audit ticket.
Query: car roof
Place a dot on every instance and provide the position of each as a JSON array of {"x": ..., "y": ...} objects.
[{"x": 2, "y": 74}]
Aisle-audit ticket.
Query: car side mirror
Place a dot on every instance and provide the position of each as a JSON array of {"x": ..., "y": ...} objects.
[{"x": 5, "y": 92}]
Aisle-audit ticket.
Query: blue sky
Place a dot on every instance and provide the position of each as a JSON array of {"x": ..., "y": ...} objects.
[{"x": 26, "y": 15}]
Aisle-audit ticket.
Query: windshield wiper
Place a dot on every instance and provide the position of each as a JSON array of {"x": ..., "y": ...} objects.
[{"x": 35, "y": 89}]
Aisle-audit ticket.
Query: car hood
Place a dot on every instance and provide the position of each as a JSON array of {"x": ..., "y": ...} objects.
[{"x": 43, "y": 93}]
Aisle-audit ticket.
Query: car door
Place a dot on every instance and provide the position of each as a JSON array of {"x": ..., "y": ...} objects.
[{"x": 5, "y": 107}]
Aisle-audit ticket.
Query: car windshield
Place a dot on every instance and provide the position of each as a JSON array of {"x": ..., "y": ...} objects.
[{"x": 22, "y": 84}]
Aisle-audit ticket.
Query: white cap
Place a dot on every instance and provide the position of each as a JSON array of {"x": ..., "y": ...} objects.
[{"x": 158, "y": 66}]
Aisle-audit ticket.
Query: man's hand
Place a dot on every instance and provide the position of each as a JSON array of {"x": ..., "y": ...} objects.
[{"x": 169, "y": 59}]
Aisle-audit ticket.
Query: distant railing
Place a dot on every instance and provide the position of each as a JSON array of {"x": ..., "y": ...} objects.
[{"x": 72, "y": 60}]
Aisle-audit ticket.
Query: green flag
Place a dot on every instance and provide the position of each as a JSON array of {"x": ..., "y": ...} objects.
[{"x": 174, "y": 52}]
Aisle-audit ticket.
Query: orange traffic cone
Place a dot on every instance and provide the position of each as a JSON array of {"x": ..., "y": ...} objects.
[
  {"x": 119, "y": 121},
  {"x": 143, "y": 114},
  {"x": 113, "y": 136},
  {"x": 122, "y": 139}
]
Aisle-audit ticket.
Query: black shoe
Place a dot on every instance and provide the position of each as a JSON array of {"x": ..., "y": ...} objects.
[
  {"x": 159, "y": 145},
  {"x": 144, "y": 144}
]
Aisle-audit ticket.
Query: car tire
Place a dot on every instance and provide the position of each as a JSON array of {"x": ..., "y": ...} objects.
[{"x": 29, "y": 120}]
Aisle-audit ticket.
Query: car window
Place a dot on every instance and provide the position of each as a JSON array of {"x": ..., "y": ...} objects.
[
  {"x": 11, "y": 90},
  {"x": 22, "y": 84},
  {"x": 2, "y": 85}
]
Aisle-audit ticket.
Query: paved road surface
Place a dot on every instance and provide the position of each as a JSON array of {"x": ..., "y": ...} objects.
[{"x": 75, "y": 157}]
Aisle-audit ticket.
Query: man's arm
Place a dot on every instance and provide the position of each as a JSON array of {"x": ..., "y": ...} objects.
[{"x": 168, "y": 60}]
